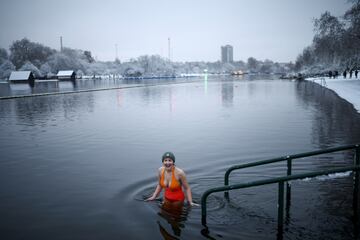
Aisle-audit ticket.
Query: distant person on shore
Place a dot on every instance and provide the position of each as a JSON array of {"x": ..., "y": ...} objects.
[
  {"x": 344, "y": 74},
  {"x": 356, "y": 73},
  {"x": 351, "y": 71},
  {"x": 330, "y": 74},
  {"x": 336, "y": 74},
  {"x": 173, "y": 179}
]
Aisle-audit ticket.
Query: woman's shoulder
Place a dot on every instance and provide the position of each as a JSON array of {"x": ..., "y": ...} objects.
[{"x": 179, "y": 171}]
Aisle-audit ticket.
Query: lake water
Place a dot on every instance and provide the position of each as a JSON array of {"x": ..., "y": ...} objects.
[{"x": 76, "y": 166}]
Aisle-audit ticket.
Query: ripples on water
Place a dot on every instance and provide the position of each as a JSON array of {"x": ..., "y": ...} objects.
[{"x": 78, "y": 166}]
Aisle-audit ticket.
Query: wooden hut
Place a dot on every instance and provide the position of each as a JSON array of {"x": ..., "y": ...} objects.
[
  {"x": 66, "y": 75},
  {"x": 21, "y": 77}
]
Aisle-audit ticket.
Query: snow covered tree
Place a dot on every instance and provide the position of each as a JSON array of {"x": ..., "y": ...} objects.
[
  {"x": 68, "y": 59},
  {"x": 96, "y": 68},
  {"x": 308, "y": 56},
  {"x": 328, "y": 25},
  {"x": 353, "y": 16},
  {"x": 336, "y": 42},
  {"x": 79, "y": 73},
  {"x": 25, "y": 50},
  {"x": 352, "y": 36},
  {"x": 252, "y": 64},
  {"x": 133, "y": 72},
  {"x": 328, "y": 40},
  {"x": 3, "y": 55},
  {"x": 28, "y": 66},
  {"x": 144, "y": 62},
  {"x": 5, "y": 69},
  {"x": 266, "y": 66},
  {"x": 46, "y": 70},
  {"x": 59, "y": 61},
  {"x": 88, "y": 57}
]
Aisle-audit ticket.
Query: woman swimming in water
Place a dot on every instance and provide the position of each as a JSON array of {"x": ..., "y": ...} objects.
[{"x": 173, "y": 179}]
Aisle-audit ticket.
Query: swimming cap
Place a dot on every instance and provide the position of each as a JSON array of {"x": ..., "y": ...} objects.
[{"x": 168, "y": 155}]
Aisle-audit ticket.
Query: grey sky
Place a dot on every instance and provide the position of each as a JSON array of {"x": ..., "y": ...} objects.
[{"x": 264, "y": 29}]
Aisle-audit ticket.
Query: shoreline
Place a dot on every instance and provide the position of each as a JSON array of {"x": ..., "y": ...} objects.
[{"x": 346, "y": 88}]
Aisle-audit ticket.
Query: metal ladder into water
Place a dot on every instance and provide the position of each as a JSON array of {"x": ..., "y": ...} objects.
[{"x": 286, "y": 179}]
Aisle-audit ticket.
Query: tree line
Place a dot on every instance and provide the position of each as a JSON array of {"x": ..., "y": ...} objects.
[{"x": 45, "y": 62}]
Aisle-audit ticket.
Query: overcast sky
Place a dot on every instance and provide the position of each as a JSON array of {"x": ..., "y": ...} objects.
[{"x": 264, "y": 29}]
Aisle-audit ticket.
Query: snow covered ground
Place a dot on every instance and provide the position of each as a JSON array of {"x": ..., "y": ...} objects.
[{"x": 346, "y": 88}]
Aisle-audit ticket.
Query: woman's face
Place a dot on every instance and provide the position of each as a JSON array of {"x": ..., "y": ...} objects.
[{"x": 168, "y": 163}]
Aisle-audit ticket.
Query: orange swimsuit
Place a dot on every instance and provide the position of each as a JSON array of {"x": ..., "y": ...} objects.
[{"x": 174, "y": 191}]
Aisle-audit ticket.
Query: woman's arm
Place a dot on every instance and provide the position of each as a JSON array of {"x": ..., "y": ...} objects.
[
  {"x": 186, "y": 188},
  {"x": 157, "y": 189},
  {"x": 155, "y": 194}
]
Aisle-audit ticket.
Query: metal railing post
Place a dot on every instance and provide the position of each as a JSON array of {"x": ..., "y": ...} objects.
[
  {"x": 288, "y": 186},
  {"x": 281, "y": 207},
  {"x": 226, "y": 183},
  {"x": 203, "y": 207},
  {"x": 356, "y": 184}
]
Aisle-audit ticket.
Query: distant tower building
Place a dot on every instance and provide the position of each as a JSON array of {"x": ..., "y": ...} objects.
[
  {"x": 227, "y": 54},
  {"x": 169, "y": 53}
]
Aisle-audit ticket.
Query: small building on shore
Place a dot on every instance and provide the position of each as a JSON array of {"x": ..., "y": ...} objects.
[
  {"x": 66, "y": 75},
  {"x": 21, "y": 77},
  {"x": 237, "y": 73}
]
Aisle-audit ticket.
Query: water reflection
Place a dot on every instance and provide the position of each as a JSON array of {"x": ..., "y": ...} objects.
[
  {"x": 21, "y": 88},
  {"x": 30, "y": 111},
  {"x": 171, "y": 101},
  {"x": 119, "y": 97},
  {"x": 50, "y": 86},
  {"x": 45, "y": 86},
  {"x": 227, "y": 93},
  {"x": 251, "y": 88},
  {"x": 5, "y": 89},
  {"x": 176, "y": 215},
  {"x": 151, "y": 94},
  {"x": 335, "y": 122},
  {"x": 205, "y": 83},
  {"x": 68, "y": 85}
]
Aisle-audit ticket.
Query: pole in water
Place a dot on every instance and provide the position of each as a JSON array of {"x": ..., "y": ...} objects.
[
  {"x": 356, "y": 186},
  {"x": 203, "y": 208},
  {"x": 280, "y": 208},
  {"x": 226, "y": 183},
  {"x": 203, "y": 214},
  {"x": 288, "y": 189}
]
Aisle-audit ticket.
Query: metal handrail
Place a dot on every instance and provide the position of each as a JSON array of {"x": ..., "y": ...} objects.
[
  {"x": 281, "y": 180},
  {"x": 286, "y": 158}
]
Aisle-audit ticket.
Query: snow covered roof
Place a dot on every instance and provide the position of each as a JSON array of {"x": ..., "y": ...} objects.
[
  {"x": 20, "y": 75},
  {"x": 66, "y": 73}
]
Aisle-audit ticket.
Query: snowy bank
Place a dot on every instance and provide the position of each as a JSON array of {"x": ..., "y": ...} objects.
[{"x": 346, "y": 88}]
